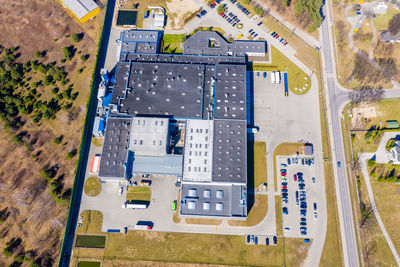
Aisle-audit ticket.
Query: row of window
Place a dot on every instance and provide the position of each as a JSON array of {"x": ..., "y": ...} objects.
[{"x": 198, "y": 145}]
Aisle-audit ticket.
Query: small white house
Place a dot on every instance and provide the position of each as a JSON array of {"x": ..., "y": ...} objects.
[{"x": 394, "y": 154}]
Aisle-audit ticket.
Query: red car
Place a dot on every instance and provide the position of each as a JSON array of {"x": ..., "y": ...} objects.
[
  {"x": 295, "y": 177},
  {"x": 284, "y": 187},
  {"x": 276, "y": 37},
  {"x": 283, "y": 173},
  {"x": 222, "y": 14}
]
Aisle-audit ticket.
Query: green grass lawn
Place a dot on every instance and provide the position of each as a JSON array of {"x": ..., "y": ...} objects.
[
  {"x": 90, "y": 241},
  {"x": 173, "y": 43},
  {"x": 92, "y": 186},
  {"x": 89, "y": 264},
  {"x": 257, "y": 162},
  {"x": 382, "y": 21},
  {"x": 141, "y": 193},
  {"x": 296, "y": 76}
]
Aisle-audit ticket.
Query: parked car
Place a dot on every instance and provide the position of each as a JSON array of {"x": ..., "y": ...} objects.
[
  {"x": 303, "y": 219},
  {"x": 284, "y": 187},
  {"x": 265, "y": 76},
  {"x": 296, "y": 160},
  {"x": 248, "y": 238},
  {"x": 288, "y": 161},
  {"x": 315, "y": 215},
  {"x": 313, "y": 180},
  {"x": 302, "y": 161},
  {"x": 338, "y": 164},
  {"x": 303, "y": 223},
  {"x": 284, "y": 190},
  {"x": 297, "y": 194},
  {"x": 315, "y": 206},
  {"x": 301, "y": 186},
  {"x": 287, "y": 229},
  {"x": 307, "y": 240},
  {"x": 295, "y": 177},
  {"x": 284, "y": 183},
  {"x": 121, "y": 189},
  {"x": 256, "y": 240},
  {"x": 275, "y": 240},
  {"x": 285, "y": 210},
  {"x": 303, "y": 233},
  {"x": 267, "y": 241},
  {"x": 259, "y": 24}
]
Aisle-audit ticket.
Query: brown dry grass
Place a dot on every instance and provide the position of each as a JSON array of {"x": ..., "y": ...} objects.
[
  {"x": 203, "y": 221},
  {"x": 256, "y": 214},
  {"x": 35, "y": 25}
]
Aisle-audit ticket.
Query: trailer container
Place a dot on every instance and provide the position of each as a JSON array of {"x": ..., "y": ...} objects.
[
  {"x": 142, "y": 225},
  {"x": 278, "y": 77},
  {"x": 273, "y": 77},
  {"x": 95, "y": 164},
  {"x": 134, "y": 206}
]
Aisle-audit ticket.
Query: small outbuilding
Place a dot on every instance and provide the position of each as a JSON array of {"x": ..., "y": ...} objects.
[{"x": 392, "y": 124}]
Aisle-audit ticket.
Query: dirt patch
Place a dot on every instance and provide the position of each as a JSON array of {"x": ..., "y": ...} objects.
[
  {"x": 178, "y": 11},
  {"x": 360, "y": 114}
]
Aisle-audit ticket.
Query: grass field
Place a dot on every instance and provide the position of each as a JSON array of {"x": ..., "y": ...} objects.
[
  {"x": 256, "y": 214},
  {"x": 203, "y": 221},
  {"x": 199, "y": 248},
  {"x": 90, "y": 241},
  {"x": 257, "y": 158},
  {"x": 374, "y": 247},
  {"x": 173, "y": 43},
  {"x": 89, "y": 264},
  {"x": 92, "y": 186},
  {"x": 142, "y": 193},
  {"x": 296, "y": 76},
  {"x": 97, "y": 141},
  {"x": 92, "y": 221}
]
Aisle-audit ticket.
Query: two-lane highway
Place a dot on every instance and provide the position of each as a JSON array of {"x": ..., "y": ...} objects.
[{"x": 347, "y": 226}]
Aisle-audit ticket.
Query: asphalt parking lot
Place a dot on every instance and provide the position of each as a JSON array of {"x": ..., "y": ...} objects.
[
  {"x": 109, "y": 202},
  {"x": 298, "y": 184}
]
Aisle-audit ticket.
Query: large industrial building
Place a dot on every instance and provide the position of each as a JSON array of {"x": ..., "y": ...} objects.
[
  {"x": 182, "y": 115},
  {"x": 83, "y": 10}
]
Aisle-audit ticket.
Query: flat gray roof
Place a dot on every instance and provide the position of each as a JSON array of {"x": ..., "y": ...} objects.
[
  {"x": 165, "y": 165},
  {"x": 140, "y": 41},
  {"x": 160, "y": 89},
  {"x": 230, "y": 151},
  {"x": 211, "y": 43},
  {"x": 230, "y": 92},
  {"x": 207, "y": 199},
  {"x": 176, "y": 58},
  {"x": 115, "y": 147}
]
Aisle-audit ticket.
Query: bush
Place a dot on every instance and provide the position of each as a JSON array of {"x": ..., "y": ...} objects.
[
  {"x": 68, "y": 52},
  {"x": 54, "y": 90},
  {"x": 371, "y": 162},
  {"x": 77, "y": 37},
  {"x": 58, "y": 140},
  {"x": 258, "y": 11},
  {"x": 39, "y": 54},
  {"x": 62, "y": 61},
  {"x": 247, "y": 2},
  {"x": 17, "y": 139},
  {"x": 390, "y": 144},
  {"x": 79, "y": 71},
  {"x": 84, "y": 57},
  {"x": 71, "y": 154},
  {"x": 47, "y": 174}
]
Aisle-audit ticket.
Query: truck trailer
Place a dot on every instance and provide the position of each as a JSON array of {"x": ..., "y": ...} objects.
[
  {"x": 273, "y": 77},
  {"x": 142, "y": 225},
  {"x": 95, "y": 164},
  {"x": 134, "y": 206}
]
